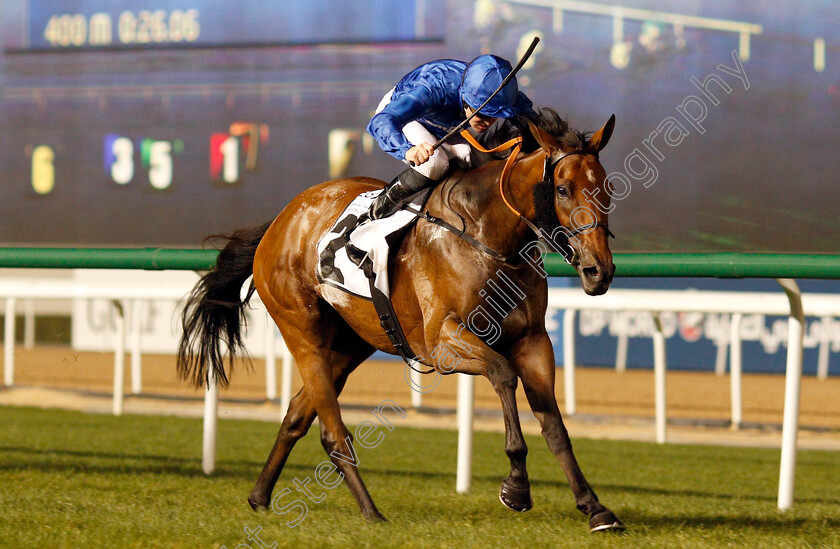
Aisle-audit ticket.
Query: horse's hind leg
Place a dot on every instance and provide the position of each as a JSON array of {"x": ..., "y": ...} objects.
[
  {"x": 326, "y": 350},
  {"x": 335, "y": 437},
  {"x": 298, "y": 418},
  {"x": 533, "y": 360},
  {"x": 301, "y": 414},
  {"x": 295, "y": 425}
]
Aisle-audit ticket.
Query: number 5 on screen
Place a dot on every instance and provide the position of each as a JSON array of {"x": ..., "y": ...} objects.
[{"x": 157, "y": 157}]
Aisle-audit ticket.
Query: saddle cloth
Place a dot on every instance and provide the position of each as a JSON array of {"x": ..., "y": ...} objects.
[{"x": 342, "y": 249}]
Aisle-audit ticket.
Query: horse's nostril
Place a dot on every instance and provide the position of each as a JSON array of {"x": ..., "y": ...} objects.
[{"x": 590, "y": 272}]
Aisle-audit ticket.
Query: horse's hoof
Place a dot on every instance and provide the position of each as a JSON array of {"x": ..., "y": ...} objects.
[
  {"x": 256, "y": 506},
  {"x": 605, "y": 521},
  {"x": 373, "y": 515},
  {"x": 515, "y": 497}
]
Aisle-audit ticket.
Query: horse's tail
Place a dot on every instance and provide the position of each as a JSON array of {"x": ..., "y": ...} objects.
[{"x": 215, "y": 310}]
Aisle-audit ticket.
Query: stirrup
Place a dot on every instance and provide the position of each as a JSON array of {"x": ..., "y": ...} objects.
[
  {"x": 389, "y": 201},
  {"x": 402, "y": 187}
]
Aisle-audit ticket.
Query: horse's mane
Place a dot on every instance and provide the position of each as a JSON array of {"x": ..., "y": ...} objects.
[
  {"x": 503, "y": 130},
  {"x": 552, "y": 123},
  {"x": 546, "y": 119}
]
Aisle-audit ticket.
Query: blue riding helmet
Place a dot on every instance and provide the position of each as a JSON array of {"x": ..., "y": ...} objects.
[{"x": 481, "y": 78}]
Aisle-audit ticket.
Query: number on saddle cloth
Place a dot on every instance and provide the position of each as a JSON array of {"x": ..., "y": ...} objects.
[{"x": 327, "y": 258}]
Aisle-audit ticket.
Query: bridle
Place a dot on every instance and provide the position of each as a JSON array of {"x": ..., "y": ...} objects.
[
  {"x": 565, "y": 249},
  {"x": 549, "y": 167}
]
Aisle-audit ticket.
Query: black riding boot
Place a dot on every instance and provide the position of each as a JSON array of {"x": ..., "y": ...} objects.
[{"x": 397, "y": 191}]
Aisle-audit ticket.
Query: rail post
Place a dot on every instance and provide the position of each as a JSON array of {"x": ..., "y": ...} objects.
[
  {"x": 136, "y": 357},
  {"x": 569, "y": 361},
  {"x": 793, "y": 379},
  {"x": 119, "y": 358},
  {"x": 270, "y": 359},
  {"x": 9, "y": 343},
  {"x": 466, "y": 401},
  {"x": 825, "y": 347},
  {"x": 211, "y": 422},
  {"x": 285, "y": 379},
  {"x": 659, "y": 367}
]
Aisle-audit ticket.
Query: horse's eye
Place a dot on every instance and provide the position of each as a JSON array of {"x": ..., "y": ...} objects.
[{"x": 562, "y": 191}]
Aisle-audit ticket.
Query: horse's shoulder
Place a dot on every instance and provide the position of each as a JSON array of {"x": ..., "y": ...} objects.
[{"x": 443, "y": 190}]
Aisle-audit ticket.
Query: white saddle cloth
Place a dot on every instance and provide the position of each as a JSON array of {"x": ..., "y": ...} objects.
[{"x": 335, "y": 266}]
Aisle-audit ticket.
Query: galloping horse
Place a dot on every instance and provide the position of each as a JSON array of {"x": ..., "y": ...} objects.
[{"x": 436, "y": 283}]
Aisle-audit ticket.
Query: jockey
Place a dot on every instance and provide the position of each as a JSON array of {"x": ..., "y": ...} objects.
[{"x": 427, "y": 103}]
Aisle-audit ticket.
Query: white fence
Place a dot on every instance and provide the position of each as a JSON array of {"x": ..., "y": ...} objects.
[{"x": 129, "y": 295}]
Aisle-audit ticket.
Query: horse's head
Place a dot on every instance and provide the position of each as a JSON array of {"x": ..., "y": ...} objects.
[{"x": 573, "y": 199}]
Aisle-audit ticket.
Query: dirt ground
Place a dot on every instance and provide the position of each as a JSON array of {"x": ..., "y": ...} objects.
[{"x": 602, "y": 394}]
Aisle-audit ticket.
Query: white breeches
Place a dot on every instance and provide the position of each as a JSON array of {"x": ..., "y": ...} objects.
[{"x": 438, "y": 163}]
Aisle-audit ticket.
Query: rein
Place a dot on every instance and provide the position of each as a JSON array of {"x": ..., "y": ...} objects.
[{"x": 516, "y": 144}]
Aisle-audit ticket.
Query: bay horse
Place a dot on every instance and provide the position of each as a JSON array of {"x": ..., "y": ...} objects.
[{"x": 437, "y": 281}]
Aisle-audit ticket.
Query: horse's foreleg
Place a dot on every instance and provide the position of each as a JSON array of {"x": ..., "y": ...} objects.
[
  {"x": 516, "y": 489},
  {"x": 533, "y": 359}
]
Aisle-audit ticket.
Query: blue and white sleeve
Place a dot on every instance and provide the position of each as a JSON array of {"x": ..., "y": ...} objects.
[{"x": 386, "y": 126}]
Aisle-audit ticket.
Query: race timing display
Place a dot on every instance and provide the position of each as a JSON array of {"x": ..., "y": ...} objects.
[{"x": 126, "y": 24}]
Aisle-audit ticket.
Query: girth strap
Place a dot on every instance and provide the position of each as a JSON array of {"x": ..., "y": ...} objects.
[{"x": 389, "y": 321}]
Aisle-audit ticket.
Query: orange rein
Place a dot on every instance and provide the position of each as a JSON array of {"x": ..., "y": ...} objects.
[{"x": 516, "y": 143}]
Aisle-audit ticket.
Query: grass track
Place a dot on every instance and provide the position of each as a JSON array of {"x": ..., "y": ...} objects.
[{"x": 69, "y": 479}]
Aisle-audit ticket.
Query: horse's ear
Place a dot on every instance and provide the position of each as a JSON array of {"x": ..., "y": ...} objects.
[
  {"x": 545, "y": 140},
  {"x": 602, "y": 136}
]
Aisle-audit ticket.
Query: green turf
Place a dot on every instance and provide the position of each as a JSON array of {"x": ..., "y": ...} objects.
[{"x": 78, "y": 480}]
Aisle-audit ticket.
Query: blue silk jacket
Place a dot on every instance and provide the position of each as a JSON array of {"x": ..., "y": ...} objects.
[{"x": 430, "y": 95}]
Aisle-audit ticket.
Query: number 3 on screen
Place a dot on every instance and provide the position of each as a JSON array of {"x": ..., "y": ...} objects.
[{"x": 119, "y": 158}]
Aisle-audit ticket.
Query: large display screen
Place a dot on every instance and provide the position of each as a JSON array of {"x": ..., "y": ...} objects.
[{"x": 158, "y": 122}]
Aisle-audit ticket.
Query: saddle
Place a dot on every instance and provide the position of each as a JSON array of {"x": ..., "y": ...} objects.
[
  {"x": 354, "y": 258},
  {"x": 348, "y": 246}
]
